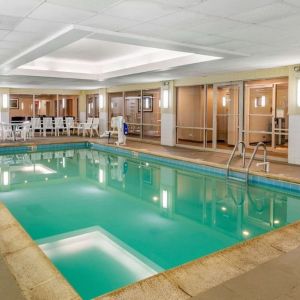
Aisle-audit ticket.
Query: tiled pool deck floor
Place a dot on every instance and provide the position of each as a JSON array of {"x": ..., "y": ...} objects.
[{"x": 266, "y": 267}]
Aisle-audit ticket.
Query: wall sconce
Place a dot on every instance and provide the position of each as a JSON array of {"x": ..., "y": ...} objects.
[
  {"x": 101, "y": 101},
  {"x": 63, "y": 103},
  {"x": 5, "y": 100},
  {"x": 224, "y": 101},
  {"x": 298, "y": 93},
  {"x": 22, "y": 105},
  {"x": 165, "y": 99}
]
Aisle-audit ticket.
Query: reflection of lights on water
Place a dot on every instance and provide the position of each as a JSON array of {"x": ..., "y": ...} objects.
[
  {"x": 165, "y": 199},
  {"x": 155, "y": 198},
  {"x": 46, "y": 179},
  {"x": 49, "y": 160},
  {"x": 5, "y": 178},
  {"x": 65, "y": 176},
  {"x": 147, "y": 164},
  {"x": 246, "y": 233},
  {"x": 223, "y": 208},
  {"x": 25, "y": 181},
  {"x": 276, "y": 221},
  {"x": 101, "y": 176}
]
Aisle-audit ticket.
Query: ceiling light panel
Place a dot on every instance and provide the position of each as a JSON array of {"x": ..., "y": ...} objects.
[
  {"x": 227, "y": 8},
  {"x": 109, "y": 22},
  {"x": 294, "y": 2},
  {"x": 90, "y": 5},
  {"x": 267, "y": 13},
  {"x": 3, "y": 33},
  {"x": 33, "y": 25},
  {"x": 55, "y": 13},
  {"x": 18, "y": 8},
  {"x": 182, "y": 19},
  {"x": 141, "y": 10},
  {"x": 9, "y": 22}
]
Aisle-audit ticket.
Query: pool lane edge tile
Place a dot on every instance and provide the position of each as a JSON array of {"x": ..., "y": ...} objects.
[{"x": 34, "y": 273}]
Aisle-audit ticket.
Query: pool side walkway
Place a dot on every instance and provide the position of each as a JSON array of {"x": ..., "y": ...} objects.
[{"x": 267, "y": 267}]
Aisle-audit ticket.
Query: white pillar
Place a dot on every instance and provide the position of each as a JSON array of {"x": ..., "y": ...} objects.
[
  {"x": 294, "y": 118},
  {"x": 103, "y": 110},
  {"x": 4, "y": 105},
  {"x": 168, "y": 114}
]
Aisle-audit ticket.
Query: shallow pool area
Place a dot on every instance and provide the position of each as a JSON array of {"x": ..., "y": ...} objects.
[{"x": 108, "y": 219}]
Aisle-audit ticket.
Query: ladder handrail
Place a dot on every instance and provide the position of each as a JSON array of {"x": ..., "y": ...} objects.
[
  {"x": 260, "y": 144},
  {"x": 233, "y": 152}
]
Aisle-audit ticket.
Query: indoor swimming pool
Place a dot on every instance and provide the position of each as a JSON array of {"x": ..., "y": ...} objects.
[{"x": 108, "y": 217}]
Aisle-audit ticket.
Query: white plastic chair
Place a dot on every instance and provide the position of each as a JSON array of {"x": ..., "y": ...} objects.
[
  {"x": 24, "y": 131},
  {"x": 47, "y": 125},
  {"x": 85, "y": 126},
  {"x": 70, "y": 124},
  {"x": 58, "y": 125},
  {"x": 95, "y": 127},
  {"x": 6, "y": 132},
  {"x": 36, "y": 125}
]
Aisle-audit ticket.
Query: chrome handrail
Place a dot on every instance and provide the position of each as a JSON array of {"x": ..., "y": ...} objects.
[
  {"x": 233, "y": 152},
  {"x": 265, "y": 163}
]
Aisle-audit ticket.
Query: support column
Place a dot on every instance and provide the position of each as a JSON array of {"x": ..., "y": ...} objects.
[
  {"x": 103, "y": 110},
  {"x": 82, "y": 107},
  {"x": 168, "y": 114},
  {"x": 4, "y": 105},
  {"x": 294, "y": 117}
]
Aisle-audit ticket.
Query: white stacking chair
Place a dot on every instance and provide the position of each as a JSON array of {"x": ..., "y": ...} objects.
[
  {"x": 58, "y": 125},
  {"x": 95, "y": 127},
  {"x": 47, "y": 125},
  {"x": 6, "y": 132},
  {"x": 24, "y": 131},
  {"x": 84, "y": 127},
  {"x": 70, "y": 124},
  {"x": 36, "y": 125}
]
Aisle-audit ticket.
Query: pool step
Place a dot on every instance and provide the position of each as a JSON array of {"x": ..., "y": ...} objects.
[{"x": 231, "y": 178}]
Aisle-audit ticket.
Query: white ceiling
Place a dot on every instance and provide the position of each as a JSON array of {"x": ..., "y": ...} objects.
[{"x": 92, "y": 43}]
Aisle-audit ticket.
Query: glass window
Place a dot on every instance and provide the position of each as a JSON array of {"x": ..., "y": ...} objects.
[
  {"x": 151, "y": 114},
  {"x": 115, "y": 106},
  {"x": 133, "y": 113}
]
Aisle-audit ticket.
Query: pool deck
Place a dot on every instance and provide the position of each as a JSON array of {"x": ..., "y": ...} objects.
[{"x": 266, "y": 267}]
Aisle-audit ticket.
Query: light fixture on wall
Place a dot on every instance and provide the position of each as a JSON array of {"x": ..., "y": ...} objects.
[
  {"x": 63, "y": 103},
  {"x": 5, "y": 100},
  {"x": 165, "y": 98},
  {"x": 101, "y": 101},
  {"x": 224, "y": 101},
  {"x": 22, "y": 105},
  {"x": 298, "y": 93}
]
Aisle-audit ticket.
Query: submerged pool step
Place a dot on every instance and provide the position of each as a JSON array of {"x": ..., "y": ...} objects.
[{"x": 231, "y": 178}]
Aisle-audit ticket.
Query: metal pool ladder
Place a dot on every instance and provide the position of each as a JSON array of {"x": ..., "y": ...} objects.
[
  {"x": 265, "y": 163},
  {"x": 232, "y": 156}
]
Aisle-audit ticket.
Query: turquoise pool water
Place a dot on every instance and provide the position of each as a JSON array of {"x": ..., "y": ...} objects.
[{"x": 107, "y": 220}]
